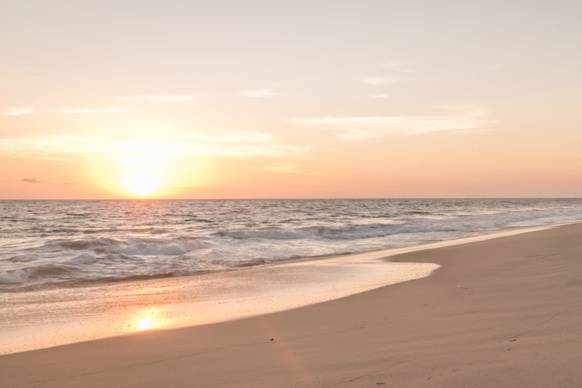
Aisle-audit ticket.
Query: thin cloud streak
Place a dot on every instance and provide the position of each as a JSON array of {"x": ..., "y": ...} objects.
[
  {"x": 19, "y": 111},
  {"x": 31, "y": 180},
  {"x": 259, "y": 93},
  {"x": 382, "y": 80},
  {"x": 235, "y": 143},
  {"x": 361, "y": 127},
  {"x": 35, "y": 181},
  {"x": 396, "y": 72},
  {"x": 161, "y": 99},
  {"x": 89, "y": 110},
  {"x": 397, "y": 67},
  {"x": 288, "y": 168}
]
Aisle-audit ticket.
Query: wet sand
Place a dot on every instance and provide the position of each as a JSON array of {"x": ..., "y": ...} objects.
[{"x": 498, "y": 313}]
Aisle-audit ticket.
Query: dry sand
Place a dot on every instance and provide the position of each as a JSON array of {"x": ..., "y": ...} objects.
[{"x": 500, "y": 313}]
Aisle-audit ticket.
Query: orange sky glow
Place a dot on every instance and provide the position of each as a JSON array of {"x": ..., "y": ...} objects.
[{"x": 289, "y": 99}]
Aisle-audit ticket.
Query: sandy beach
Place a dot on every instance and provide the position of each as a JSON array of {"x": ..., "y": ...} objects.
[
  {"x": 498, "y": 313},
  {"x": 290, "y": 194}
]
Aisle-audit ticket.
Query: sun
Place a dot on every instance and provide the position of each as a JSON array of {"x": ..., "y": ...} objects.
[
  {"x": 141, "y": 176},
  {"x": 143, "y": 168},
  {"x": 141, "y": 185}
]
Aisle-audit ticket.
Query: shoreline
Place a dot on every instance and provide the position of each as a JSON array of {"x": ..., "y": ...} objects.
[
  {"x": 170, "y": 303},
  {"x": 323, "y": 278},
  {"x": 265, "y": 263},
  {"x": 500, "y": 313}
]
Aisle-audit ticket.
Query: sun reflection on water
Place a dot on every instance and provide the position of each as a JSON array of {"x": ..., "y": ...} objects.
[
  {"x": 146, "y": 323},
  {"x": 147, "y": 320}
]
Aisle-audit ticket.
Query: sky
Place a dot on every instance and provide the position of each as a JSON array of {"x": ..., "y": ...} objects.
[{"x": 290, "y": 99}]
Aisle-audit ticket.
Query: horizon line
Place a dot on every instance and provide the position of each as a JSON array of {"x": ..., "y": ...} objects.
[{"x": 286, "y": 198}]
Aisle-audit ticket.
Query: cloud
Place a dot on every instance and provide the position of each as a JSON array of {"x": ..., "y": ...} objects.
[
  {"x": 30, "y": 180},
  {"x": 382, "y": 80},
  {"x": 37, "y": 181},
  {"x": 288, "y": 168},
  {"x": 361, "y": 127},
  {"x": 90, "y": 110},
  {"x": 46, "y": 147},
  {"x": 397, "y": 67},
  {"x": 20, "y": 111},
  {"x": 161, "y": 99},
  {"x": 233, "y": 143},
  {"x": 259, "y": 93},
  {"x": 397, "y": 72},
  {"x": 379, "y": 96}
]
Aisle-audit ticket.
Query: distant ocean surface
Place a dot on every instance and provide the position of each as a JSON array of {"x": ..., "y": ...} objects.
[{"x": 64, "y": 243}]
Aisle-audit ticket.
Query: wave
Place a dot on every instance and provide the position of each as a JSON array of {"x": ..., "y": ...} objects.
[
  {"x": 35, "y": 272},
  {"x": 131, "y": 246},
  {"x": 343, "y": 232},
  {"x": 54, "y": 244},
  {"x": 149, "y": 230},
  {"x": 22, "y": 281}
]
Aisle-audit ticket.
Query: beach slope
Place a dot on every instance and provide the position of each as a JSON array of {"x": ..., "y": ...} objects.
[{"x": 500, "y": 313}]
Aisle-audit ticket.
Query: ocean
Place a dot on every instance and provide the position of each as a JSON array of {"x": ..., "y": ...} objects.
[{"x": 59, "y": 244}]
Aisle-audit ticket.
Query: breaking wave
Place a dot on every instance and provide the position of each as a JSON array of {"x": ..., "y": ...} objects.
[{"x": 62, "y": 243}]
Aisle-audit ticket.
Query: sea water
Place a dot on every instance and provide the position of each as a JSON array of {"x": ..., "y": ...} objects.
[{"x": 53, "y": 244}]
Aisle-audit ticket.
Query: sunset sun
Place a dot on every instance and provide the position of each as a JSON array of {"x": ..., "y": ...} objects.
[
  {"x": 141, "y": 176},
  {"x": 143, "y": 168},
  {"x": 134, "y": 169}
]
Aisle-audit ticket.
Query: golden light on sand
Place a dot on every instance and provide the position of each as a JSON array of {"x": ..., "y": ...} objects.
[
  {"x": 145, "y": 323},
  {"x": 148, "y": 319}
]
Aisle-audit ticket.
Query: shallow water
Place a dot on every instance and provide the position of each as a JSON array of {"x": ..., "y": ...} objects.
[{"x": 44, "y": 318}]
